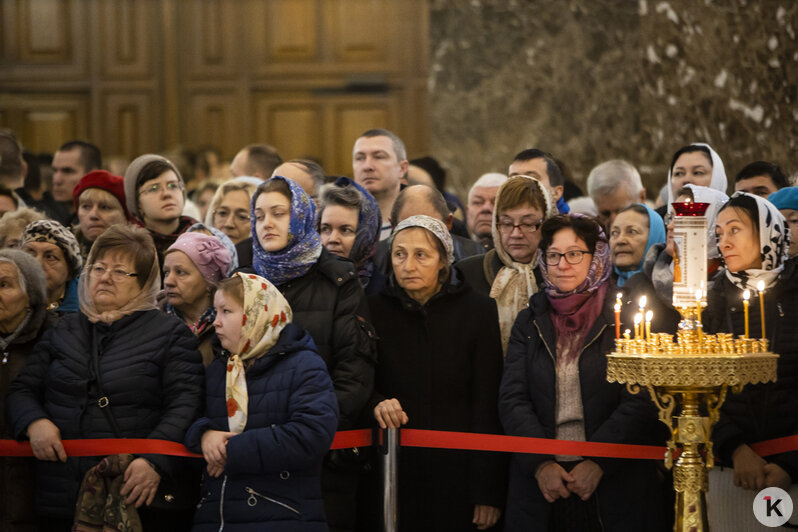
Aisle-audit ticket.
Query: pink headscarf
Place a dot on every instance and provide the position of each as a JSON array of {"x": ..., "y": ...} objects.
[{"x": 207, "y": 253}]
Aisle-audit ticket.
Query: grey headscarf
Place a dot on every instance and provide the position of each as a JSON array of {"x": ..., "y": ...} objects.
[
  {"x": 132, "y": 177},
  {"x": 34, "y": 284},
  {"x": 434, "y": 226}
]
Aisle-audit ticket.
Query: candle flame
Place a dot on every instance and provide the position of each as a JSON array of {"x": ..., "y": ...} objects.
[
  {"x": 760, "y": 286},
  {"x": 649, "y": 315},
  {"x": 746, "y": 294},
  {"x": 643, "y": 301},
  {"x": 617, "y": 307},
  {"x": 698, "y": 294},
  {"x": 638, "y": 318}
]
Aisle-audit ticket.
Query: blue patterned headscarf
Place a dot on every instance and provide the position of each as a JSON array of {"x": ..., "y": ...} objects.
[
  {"x": 304, "y": 243},
  {"x": 656, "y": 235},
  {"x": 369, "y": 221}
]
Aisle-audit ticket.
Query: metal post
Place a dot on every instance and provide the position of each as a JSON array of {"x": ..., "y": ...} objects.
[{"x": 390, "y": 477}]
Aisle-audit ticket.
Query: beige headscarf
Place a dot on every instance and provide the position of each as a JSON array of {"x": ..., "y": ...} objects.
[
  {"x": 144, "y": 300},
  {"x": 515, "y": 282},
  {"x": 266, "y": 313}
]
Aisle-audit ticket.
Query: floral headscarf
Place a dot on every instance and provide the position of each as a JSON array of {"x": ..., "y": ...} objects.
[
  {"x": 304, "y": 243},
  {"x": 266, "y": 313},
  {"x": 434, "y": 226},
  {"x": 656, "y": 235},
  {"x": 599, "y": 271},
  {"x": 515, "y": 282},
  {"x": 774, "y": 241}
]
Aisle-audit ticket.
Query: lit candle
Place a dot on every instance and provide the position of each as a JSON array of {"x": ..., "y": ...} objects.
[
  {"x": 642, "y": 304},
  {"x": 638, "y": 320},
  {"x": 698, "y": 295},
  {"x": 649, "y": 316},
  {"x": 617, "y": 320},
  {"x": 627, "y": 334},
  {"x": 760, "y": 287},
  {"x": 618, "y": 297},
  {"x": 746, "y": 295}
]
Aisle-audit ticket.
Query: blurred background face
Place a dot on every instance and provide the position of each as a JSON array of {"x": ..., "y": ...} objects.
[
  {"x": 519, "y": 232},
  {"x": 161, "y": 199},
  {"x": 416, "y": 262},
  {"x": 338, "y": 229},
  {"x": 183, "y": 283},
  {"x": 111, "y": 289},
  {"x": 691, "y": 168},
  {"x": 67, "y": 171},
  {"x": 97, "y": 211},
  {"x": 628, "y": 239},
  {"x": 204, "y": 201},
  {"x": 232, "y": 215},
  {"x": 54, "y": 264},
  {"x": 6, "y": 205},
  {"x": 229, "y": 320},
  {"x": 792, "y": 222},
  {"x": 479, "y": 214},
  {"x": 13, "y": 301},
  {"x": 564, "y": 275},
  {"x": 298, "y": 174},
  {"x": 738, "y": 240},
  {"x": 272, "y": 220}
]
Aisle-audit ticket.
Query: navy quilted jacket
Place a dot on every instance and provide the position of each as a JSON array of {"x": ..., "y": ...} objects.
[
  {"x": 151, "y": 371},
  {"x": 273, "y": 467}
]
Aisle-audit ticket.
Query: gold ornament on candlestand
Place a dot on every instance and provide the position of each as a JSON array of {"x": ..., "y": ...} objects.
[{"x": 692, "y": 370}]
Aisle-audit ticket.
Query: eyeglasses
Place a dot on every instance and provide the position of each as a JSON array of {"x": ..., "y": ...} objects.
[
  {"x": 507, "y": 227},
  {"x": 99, "y": 271},
  {"x": 574, "y": 256},
  {"x": 238, "y": 216},
  {"x": 170, "y": 186}
]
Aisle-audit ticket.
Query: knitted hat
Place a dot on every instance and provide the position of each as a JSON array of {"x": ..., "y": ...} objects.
[
  {"x": 113, "y": 184},
  {"x": 206, "y": 252},
  {"x": 53, "y": 232},
  {"x": 132, "y": 175},
  {"x": 785, "y": 198}
]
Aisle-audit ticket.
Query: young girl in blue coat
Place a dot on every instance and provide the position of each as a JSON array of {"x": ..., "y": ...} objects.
[{"x": 271, "y": 414}]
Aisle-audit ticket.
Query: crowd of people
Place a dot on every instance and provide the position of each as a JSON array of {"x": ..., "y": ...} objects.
[{"x": 252, "y": 318}]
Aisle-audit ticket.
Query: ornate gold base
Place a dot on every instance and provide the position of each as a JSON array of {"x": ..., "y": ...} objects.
[{"x": 690, "y": 381}]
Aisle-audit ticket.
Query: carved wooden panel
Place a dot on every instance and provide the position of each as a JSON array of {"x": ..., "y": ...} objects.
[
  {"x": 359, "y": 30},
  {"x": 45, "y": 122},
  {"x": 128, "y": 125},
  {"x": 126, "y": 39},
  {"x": 210, "y": 36},
  {"x": 214, "y": 118},
  {"x": 43, "y": 39},
  {"x": 292, "y": 123},
  {"x": 352, "y": 116},
  {"x": 288, "y": 35}
]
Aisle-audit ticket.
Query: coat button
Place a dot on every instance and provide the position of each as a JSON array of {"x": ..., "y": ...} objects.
[
  {"x": 169, "y": 497},
  {"x": 284, "y": 475},
  {"x": 340, "y": 279}
]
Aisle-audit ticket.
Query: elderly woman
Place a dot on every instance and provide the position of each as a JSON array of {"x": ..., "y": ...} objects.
[
  {"x": 13, "y": 223},
  {"x": 229, "y": 208},
  {"x": 509, "y": 272},
  {"x": 327, "y": 300},
  {"x": 57, "y": 250},
  {"x": 349, "y": 222},
  {"x": 23, "y": 319},
  {"x": 554, "y": 386},
  {"x": 439, "y": 368},
  {"x": 99, "y": 203},
  {"x": 155, "y": 195},
  {"x": 753, "y": 238},
  {"x": 270, "y": 419},
  {"x": 117, "y": 369},
  {"x": 193, "y": 266}
]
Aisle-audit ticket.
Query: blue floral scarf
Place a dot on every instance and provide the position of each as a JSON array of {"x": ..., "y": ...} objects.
[{"x": 304, "y": 243}]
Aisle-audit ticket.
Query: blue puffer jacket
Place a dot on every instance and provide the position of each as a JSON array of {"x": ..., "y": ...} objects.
[{"x": 274, "y": 466}]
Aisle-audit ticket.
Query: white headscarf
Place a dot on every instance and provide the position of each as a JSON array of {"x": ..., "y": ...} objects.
[
  {"x": 718, "y": 182},
  {"x": 515, "y": 282}
]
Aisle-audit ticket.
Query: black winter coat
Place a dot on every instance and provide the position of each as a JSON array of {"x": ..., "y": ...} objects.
[
  {"x": 629, "y": 493},
  {"x": 272, "y": 477},
  {"x": 480, "y": 271},
  {"x": 442, "y": 361},
  {"x": 328, "y": 301},
  {"x": 761, "y": 411},
  {"x": 152, "y": 374}
]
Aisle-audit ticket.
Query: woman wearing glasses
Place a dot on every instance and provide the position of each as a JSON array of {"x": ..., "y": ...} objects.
[
  {"x": 118, "y": 368},
  {"x": 229, "y": 208},
  {"x": 155, "y": 196},
  {"x": 509, "y": 272},
  {"x": 554, "y": 386}
]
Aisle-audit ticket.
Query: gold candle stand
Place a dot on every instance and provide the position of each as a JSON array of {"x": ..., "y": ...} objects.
[{"x": 698, "y": 369}]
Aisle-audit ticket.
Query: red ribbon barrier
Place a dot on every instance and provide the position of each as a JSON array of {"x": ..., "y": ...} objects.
[{"x": 434, "y": 439}]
